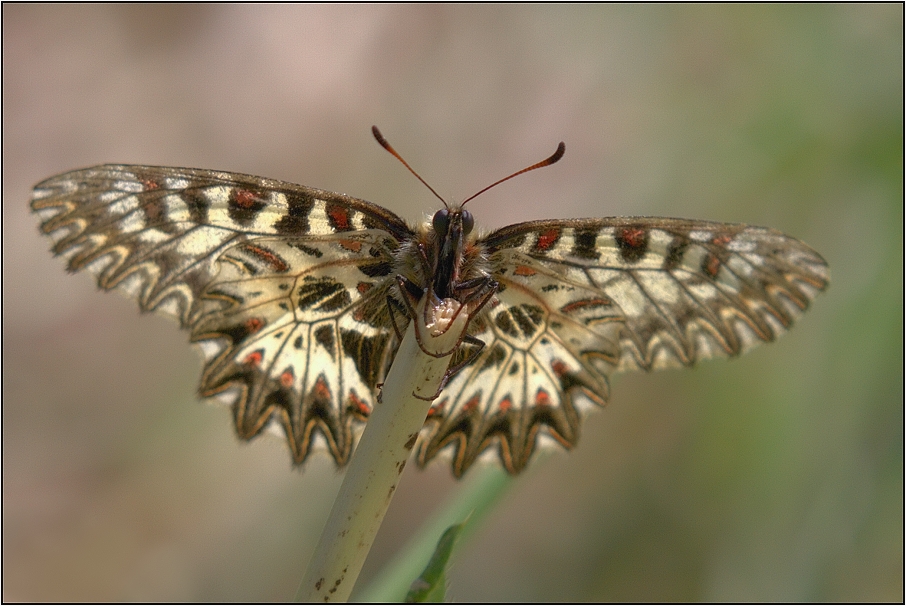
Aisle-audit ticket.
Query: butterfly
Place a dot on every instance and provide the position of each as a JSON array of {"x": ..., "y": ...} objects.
[{"x": 297, "y": 298}]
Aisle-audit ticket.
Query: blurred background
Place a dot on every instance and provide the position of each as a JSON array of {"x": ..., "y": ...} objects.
[{"x": 774, "y": 477}]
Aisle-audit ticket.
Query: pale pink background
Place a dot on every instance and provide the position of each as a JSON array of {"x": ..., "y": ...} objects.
[{"x": 773, "y": 477}]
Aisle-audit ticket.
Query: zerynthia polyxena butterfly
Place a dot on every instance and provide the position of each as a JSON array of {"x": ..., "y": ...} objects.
[{"x": 296, "y": 297}]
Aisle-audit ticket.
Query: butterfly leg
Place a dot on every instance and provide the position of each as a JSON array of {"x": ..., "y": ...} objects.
[
  {"x": 485, "y": 291},
  {"x": 423, "y": 257},
  {"x": 473, "y": 283},
  {"x": 390, "y": 310},
  {"x": 452, "y": 371},
  {"x": 491, "y": 288},
  {"x": 473, "y": 294},
  {"x": 412, "y": 294}
]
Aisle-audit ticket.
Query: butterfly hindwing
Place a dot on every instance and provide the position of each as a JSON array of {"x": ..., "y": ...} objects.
[
  {"x": 538, "y": 370},
  {"x": 305, "y": 347}
]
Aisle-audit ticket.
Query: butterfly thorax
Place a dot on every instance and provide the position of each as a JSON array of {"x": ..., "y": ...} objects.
[
  {"x": 450, "y": 227},
  {"x": 444, "y": 256}
]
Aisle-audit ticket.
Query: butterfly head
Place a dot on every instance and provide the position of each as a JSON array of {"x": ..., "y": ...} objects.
[
  {"x": 457, "y": 222},
  {"x": 451, "y": 227},
  {"x": 447, "y": 251}
]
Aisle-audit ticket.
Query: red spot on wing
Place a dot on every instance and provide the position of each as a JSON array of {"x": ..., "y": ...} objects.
[
  {"x": 437, "y": 409},
  {"x": 244, "y": 198},
  {"x": 569, "y": 307},
  {"x": 559, "y": 368},
  {"x": 711, "y": 266},
  {"x": 321, "y": 390},
  {"x": 276, "y": 263},
  {"x": 505, "y": 404},
  {"x": 358, "y": 406},
  {"x": 542, "y": 398},
  {"x": 524, "y": 270},
  {"x": 253, "y": 325},
  {"x": 472, "y": 404},
  {"x": 547, "y": 239},
  {"x": 722, "y": 241},
  {"x": 254, "y": 358},
  {"x": 351, "y": 245},
  {"x": 287, "y": 378},
  {"x": 363, "y": 287},
  {"x": 339, "y": 217},
  {"x": 633, "y": 237},
  {"x": 149, "y": 184}
]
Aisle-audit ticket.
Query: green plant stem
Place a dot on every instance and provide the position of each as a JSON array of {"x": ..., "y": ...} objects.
[
  {"x": 474, "y": 499},
  {"x": 477, "y": 496},
  {"x": 380, "y": 457}
]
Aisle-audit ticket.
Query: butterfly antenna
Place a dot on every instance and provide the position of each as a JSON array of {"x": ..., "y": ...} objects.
[
  {"x": 380, "y": 139},
  {"x": 561, "y": 149}
]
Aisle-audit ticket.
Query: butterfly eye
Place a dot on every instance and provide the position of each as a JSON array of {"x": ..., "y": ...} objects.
[
  {"x": 441, "y": 222},
  {"x": 468, "y": 222}
]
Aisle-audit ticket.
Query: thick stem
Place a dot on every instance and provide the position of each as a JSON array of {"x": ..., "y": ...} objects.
[{"x": 379, "y": 458}]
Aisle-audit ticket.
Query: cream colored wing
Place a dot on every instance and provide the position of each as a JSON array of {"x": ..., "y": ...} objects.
[{"x": 582, "y": 299}]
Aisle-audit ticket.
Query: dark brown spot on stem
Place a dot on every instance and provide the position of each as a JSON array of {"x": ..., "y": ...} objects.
[{"x": 411, "y": 441}]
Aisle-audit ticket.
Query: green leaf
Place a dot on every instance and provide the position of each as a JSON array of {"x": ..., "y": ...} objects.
[{"x": 431, "y": 586}]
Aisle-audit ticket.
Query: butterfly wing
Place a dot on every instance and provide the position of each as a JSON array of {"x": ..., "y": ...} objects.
[
  {"x": 581, "y": 299},
  {"x": 283, "y": 286},
  {"x": 158, "y": 232},
  {"x": 286, "y": 289}
]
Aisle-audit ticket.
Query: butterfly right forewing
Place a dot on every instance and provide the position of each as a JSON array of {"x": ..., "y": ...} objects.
[
  {"x": 687, "y": 290},
  {"x": 157, "y": 232}
]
